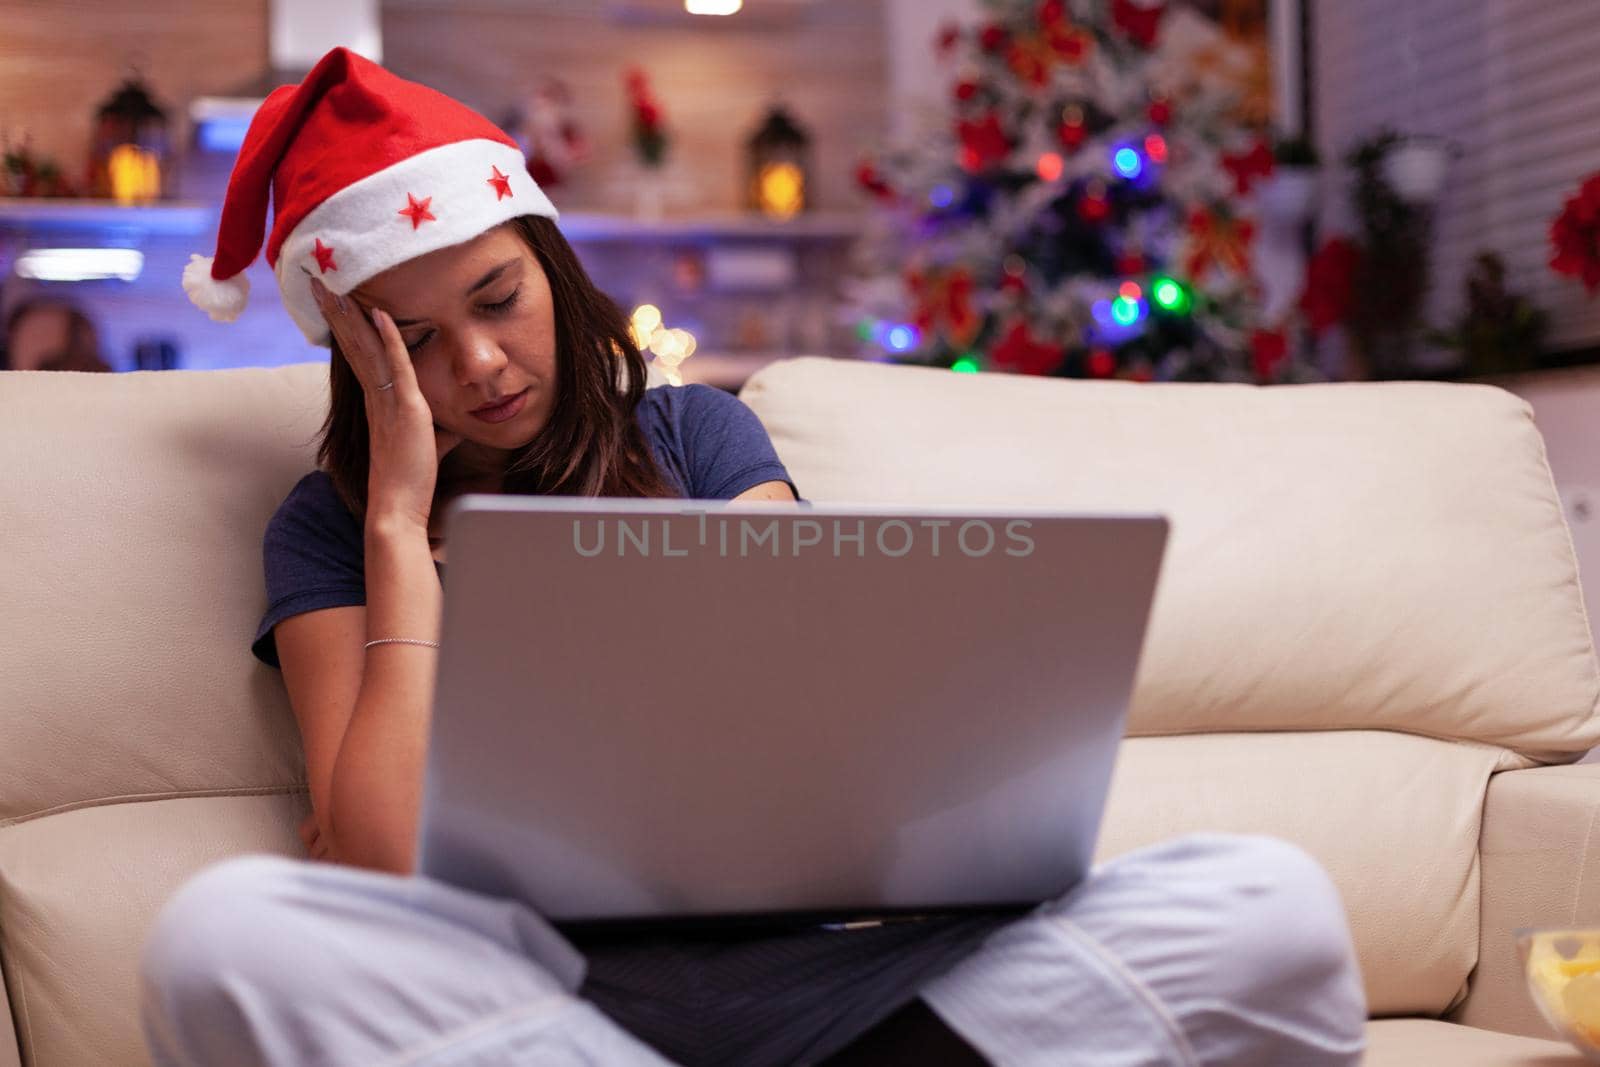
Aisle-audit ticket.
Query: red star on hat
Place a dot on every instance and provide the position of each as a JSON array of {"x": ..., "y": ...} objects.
[
  {"x": 501, "y": 183},
  {"x": 324, "y": 256},
  {"x": 417, "y": 210}
]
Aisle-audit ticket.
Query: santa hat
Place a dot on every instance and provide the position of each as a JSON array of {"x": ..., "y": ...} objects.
[{"x": 366, "y": 170}]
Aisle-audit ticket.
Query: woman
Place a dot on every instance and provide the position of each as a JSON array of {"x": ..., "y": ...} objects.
[{"x": 471, "y": 353}]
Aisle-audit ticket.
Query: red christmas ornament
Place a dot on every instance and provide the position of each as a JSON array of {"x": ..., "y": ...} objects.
[
  {"x": 501, "y": 183},
  {"x": 1246, "y": 167},
  {"x": 949, "y": 37},
  {"x": 1021, "y": 352},
  {"x": 1102, "y": 363},
  {"x": 992, "y": 37},
  {"x": 1130, "y": 263},
  {"x": 983, "y": 142},
  {"x": 1160, "y": 112},
  {"x": 417, "y": 210},
  {"x": 1072, "y": 135},
  {"x": 966, "y": 89},
  {"x": 1140, "y": 23},
  {"x": 1575, "y": 236},
  {"x": 324, "y": 256},
  {"x": 1052, "y": 12},
  {"x": 1268, "y": 348},
  {"x": 1094, "y": 208}
]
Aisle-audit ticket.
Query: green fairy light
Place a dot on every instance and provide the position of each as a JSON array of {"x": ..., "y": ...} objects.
[{"x": 1169, "y": 296}]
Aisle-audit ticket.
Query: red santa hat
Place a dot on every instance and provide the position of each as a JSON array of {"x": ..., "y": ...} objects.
[{"x": 366, "y": 170}]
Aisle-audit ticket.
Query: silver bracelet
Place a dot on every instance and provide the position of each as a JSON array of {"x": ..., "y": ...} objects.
[{"x": 401, "y": 641}]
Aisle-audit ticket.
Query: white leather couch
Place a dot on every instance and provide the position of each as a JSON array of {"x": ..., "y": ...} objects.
[{"x": 1368, "y": 639}]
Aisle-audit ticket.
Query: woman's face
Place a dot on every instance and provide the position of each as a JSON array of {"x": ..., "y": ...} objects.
[{"x": 479, "y": 323}]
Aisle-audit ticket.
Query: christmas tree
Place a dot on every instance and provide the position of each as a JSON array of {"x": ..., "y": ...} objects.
[{"x": 1085, "y": 209}]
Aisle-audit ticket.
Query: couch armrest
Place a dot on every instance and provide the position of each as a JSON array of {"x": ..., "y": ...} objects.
[
  {"x": 1539, "y": 851},
  {"x": 10, "y": 1054}
]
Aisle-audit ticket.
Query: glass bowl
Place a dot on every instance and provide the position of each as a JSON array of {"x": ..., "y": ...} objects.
[{"x": 1562, "y": 968}]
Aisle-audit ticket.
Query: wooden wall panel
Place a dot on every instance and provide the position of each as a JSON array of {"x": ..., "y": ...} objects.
[
  {"x": 59, "y": 59},
  {"x": 713, "y": 80}
]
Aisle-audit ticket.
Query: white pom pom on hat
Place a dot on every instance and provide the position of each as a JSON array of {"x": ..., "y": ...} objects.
[
  {"x": 364, "y": 171},
  {"x": 223, "y": 300}
]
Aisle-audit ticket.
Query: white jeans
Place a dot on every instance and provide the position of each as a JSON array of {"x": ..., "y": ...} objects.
[{"x": 1209, "y": 949}]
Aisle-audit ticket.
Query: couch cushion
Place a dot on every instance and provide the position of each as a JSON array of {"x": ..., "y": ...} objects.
[
  {"x": 1342, "y": 556},
  {"x": 1393, "y": 818},
  {"x": 78, "y": 892},
  {"x": 132, "y": 581},
  {"x": 1414, "y": 1042}
]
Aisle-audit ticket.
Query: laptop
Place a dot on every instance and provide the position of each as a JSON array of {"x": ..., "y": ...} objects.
[{"x": 670, "y": 711}]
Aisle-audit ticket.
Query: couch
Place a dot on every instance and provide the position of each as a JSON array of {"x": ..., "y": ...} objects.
[{"x": 1368, "y": 639}]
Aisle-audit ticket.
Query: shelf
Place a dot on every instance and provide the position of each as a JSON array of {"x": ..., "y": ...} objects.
[
  {"x": 50, "y": 215},
  {"x": 583, "y": 226},
  {"x": 179, "y": 218}
]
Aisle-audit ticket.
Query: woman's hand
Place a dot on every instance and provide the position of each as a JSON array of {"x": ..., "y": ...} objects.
[
  {"x": 311, "y": 837},
  {"x": 406, "y": 446}
]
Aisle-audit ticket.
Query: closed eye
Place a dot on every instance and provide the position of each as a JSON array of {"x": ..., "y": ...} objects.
[{"x": 499, "y": 308}]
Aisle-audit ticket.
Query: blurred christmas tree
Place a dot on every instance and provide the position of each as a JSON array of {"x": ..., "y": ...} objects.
[{"x": 1085, "y": 212}]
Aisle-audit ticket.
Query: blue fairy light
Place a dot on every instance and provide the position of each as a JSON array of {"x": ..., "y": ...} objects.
[
  {"x": 1128, "y": 163},
  {"x": 941, "y": 196},
  {"x": 900, "y": 338}
]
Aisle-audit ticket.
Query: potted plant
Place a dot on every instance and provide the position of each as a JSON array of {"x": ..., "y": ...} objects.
[
  {"x": 1499, "y": 331},
  {"x": 1414, "y": 167}
]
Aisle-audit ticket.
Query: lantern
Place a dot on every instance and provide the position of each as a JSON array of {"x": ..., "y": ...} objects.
[
  {"x": 129, "y": 158},
  {"x": 779, "y": 154}
]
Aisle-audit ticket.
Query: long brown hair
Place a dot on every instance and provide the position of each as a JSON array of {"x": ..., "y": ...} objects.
[
  {"x": 592, "y": 445},
  {"x": 81, "y": 351}
]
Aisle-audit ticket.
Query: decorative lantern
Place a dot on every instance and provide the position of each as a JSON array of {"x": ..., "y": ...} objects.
[
  {"x": 129, "y": 158},
  {"x": 780, "y": 165}
]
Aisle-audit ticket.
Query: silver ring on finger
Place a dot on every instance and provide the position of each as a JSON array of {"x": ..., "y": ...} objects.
[{"x": 385, "y": 385}]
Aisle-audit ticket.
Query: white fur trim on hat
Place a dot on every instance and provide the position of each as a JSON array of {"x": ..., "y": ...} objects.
[
  {"x": 363, "y": 231},
  {"x": 223, "y": 300}
]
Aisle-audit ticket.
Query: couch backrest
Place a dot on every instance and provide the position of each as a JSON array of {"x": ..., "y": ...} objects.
[
  {"x": 1374, "y": 557},
  {"x": 133, "y": 509},
  {"x": 1343, "y": 556}
]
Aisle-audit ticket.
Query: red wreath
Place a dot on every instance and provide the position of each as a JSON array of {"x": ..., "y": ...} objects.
[
  {"x": 1214, "y": 239},
  {"x": 1575, "y": 235}
]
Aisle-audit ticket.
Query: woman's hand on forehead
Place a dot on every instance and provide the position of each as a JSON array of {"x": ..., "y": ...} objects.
[{"x": 359, "y": 337}]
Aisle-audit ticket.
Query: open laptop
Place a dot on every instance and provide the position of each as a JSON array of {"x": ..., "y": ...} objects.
[{"x": 690, "y": 711}]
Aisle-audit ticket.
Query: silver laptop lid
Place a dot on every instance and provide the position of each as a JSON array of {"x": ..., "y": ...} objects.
[{"x": 671, "y": 709}]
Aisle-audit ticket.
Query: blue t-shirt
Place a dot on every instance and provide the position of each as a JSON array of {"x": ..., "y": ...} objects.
[{"x": 707, "y": 444}]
